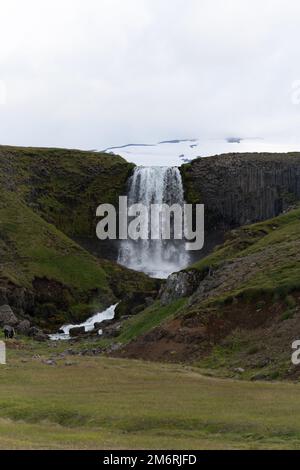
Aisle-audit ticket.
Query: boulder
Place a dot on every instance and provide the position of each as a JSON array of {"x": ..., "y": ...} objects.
[
  {"x": 77, "y": 331},
  {"x": 179, "y": 285},
  {"x": 41, "y": 337},
  {"x": 23, "y": 327},
  {"x": 33, "y": 331},
  {"x": 259, "y": 377},
  {"x": 239, "y": 370},
  {"x": 70, "y": 363},
  {"x": 7, "y": 316},
  {"x": 49, "y": 362},
  {"x": 98, "y": 326},
  {"x": 8, "y": 331},
  {"x": 103, "y": 324},
  {"x": 37, "y": 334},
  {"x": 114, "y": 347},
  {"x": 112, "y": 331}
]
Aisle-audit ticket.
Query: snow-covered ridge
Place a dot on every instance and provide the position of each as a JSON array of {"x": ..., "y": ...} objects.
[{"x": 178, "y": 151}]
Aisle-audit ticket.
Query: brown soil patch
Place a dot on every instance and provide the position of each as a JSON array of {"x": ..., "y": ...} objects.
[{"x": 191, "y": 337}]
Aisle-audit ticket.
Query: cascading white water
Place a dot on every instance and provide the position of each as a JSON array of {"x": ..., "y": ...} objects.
[
  {"x": 88, "y": 325},
  {"x": 157, "y": 258}
]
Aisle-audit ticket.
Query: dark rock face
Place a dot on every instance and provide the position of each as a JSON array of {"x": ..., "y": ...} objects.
[
  {"x": 77, "y": 331},
  {"x": 7, "y": 316},
  {"x": 23, "y": 327},
  {"x": 178, "y": 285},
  {"x": 3, "y": 296},
  {"x": 37, "y": 334},
  {"x": 19, "y": 298},
  {"x": 134, "y": 303},
  {"x": 12, "y": 324},
  {"x": 238, "y": 189},
  {"x": 112, "y": 331}
]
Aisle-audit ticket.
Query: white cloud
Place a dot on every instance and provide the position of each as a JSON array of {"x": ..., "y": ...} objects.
[{"x": 93, "y": 73}]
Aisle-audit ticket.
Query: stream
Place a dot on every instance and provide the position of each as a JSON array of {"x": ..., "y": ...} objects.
[{"x": 88, "y": 325}]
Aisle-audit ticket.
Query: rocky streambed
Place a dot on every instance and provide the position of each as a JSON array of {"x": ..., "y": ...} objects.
[{"x": 92, "y": 324}]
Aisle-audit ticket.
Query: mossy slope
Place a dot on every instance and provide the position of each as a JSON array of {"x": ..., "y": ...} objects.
[
  {"x": 245, "y": 313},
  {"x": 64, "y": 186},
  {"x": 48, "y": 196},
  {"x": 263, "y": 257}
]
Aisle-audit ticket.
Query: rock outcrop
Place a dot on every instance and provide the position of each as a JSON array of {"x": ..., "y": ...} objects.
[
  {"x": 37, "y": 334},
  {"x": 239, "y": 189},
  {"x": 135, "y": 302},
  {"x": 11, "y": 325},
  {"x": 77, "y": 331},
  {"x": 18, "y": 298},
  {"x": 23, "y": 327},
  {"x": 178, "y": 285},
  {"x": 236, "y": 189},
  {"x": 7, "y": 316}
]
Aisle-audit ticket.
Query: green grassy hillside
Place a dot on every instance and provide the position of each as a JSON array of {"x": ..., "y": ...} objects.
[
  {"x": 263, "y": 258},
  {"x": 46, "y": 197},
  {"x": 31, "y": 250},
  {"x": 245, "y": 314},
  {"x": 64, "y": 186}
]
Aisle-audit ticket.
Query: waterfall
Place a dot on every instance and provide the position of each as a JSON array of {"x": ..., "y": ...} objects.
[{"x": 157, "y": 258}]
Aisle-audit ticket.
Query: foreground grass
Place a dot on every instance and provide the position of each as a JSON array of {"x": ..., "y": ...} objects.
[{"x": 103, "y": 403}]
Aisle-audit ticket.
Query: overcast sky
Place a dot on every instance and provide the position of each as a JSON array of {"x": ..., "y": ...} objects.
[{"x": 96, "y": 73}]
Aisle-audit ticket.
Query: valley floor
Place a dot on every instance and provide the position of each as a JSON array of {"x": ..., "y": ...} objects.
[{"x": 83, "y": 402}]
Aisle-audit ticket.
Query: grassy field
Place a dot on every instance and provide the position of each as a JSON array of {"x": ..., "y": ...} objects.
[{"x": 103, "y": 403}]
